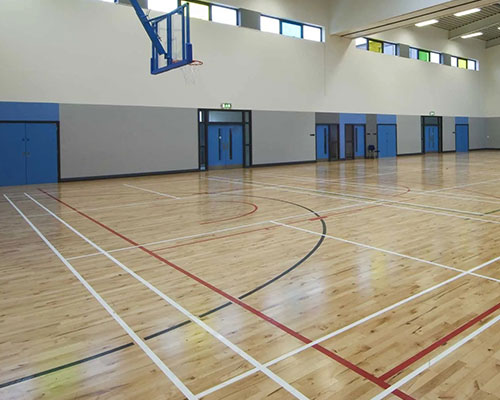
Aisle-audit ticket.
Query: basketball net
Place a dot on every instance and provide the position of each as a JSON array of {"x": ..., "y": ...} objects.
[{"x": 191, "y": 72}]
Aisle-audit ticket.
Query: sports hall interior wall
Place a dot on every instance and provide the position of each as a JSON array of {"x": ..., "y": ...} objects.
[{"x": 105, "y": 66}]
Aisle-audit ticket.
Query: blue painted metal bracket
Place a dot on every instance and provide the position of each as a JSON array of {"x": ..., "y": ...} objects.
[{"x": 151, "y": 28}]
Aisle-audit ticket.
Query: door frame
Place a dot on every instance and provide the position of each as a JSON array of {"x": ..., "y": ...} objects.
[
  {"x": 58, "y": 130},
  {"x": 440, "y": 132},
  {"x": 395, "y": 126},
  {"x": 330, "y": 142},
  {"x": 355, "y": 141},
  {"x": 204, "y": 123},
  {"x": 468, "y": 136}
]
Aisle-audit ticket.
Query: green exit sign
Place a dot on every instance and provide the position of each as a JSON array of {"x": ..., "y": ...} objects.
[{"x": 226, "y": 106}]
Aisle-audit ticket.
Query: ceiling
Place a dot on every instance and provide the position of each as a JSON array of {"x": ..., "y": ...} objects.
[{"x": 486, "y": 21}]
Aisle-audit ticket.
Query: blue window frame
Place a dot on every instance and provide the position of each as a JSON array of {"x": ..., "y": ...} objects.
[{"x": 291, "y": 29}]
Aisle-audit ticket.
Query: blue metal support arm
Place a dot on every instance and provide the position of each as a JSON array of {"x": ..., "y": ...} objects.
[{"x": 147, "y": 26}]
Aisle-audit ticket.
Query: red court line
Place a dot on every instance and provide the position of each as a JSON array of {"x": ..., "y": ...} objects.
[
  {"x": 255, "y": 208},
  {"x": 440, "y": 342},
  {"x": 217, "y": 238},
  {"x": 365, "y": 374}
]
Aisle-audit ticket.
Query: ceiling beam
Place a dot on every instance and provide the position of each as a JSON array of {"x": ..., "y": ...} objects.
[
  {"x": 493, "y": 42},
  {"x": 405, "y": 20},
  {"x": 477, "y": 26}
]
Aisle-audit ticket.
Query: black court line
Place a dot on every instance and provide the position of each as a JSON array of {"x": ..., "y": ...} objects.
[{"x": 212, "y": 311}]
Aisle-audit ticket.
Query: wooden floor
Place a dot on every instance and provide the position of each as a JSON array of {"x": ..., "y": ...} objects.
[{"x": 348, "y": 280}]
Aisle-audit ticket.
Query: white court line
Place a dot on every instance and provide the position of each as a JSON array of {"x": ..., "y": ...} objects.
[
  {"x": 153, "y": 357},
  {"x": 461, "y": 186},
  {"x": 152, "y": 191},
  {"x": 213, "y": 232},
  {"x": 480, "y": 199},
  {"x": 359, "y": 322},
  {"x": 285, "y": 385},
  {"x": 383, "y": 250},
  {"x": 436, "y": 359},
  {"x": 382, "y": 202}
]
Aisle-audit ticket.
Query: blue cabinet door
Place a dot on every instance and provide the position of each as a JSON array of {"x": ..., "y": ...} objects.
[
  {"x": 12, "y": 154},
  {"x": 322, "y": 140},
  {"x": 41, "y": 153},
  {"x": 386, "y": 141},
  {"x": 431, "y": 139},
  {"x": 216, "y": 155},
  {"x": 359, "y": 134},
  {"x": 234, "y": 145},
  {"x": 462, "y": 138}
]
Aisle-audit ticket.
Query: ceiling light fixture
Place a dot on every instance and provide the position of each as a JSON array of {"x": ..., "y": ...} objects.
[
  {"x": 471, "y": 35},
  {"x": 467, "y": 12},
  {"x": 426, "y": 23}
]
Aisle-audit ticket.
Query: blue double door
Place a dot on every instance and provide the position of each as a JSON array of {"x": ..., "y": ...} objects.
[
  {"x": 387, "y": 140},
  {"x": 28, "y": 153},
  {"x": 354, "y": 145},
  {"x": 431, "y": 139},
  {"x": 225, "y": 146},
  {"x": 327, "y": 142},
  {"x": 462, "y": 138}
]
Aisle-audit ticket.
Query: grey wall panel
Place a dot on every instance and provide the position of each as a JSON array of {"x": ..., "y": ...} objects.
[
  {"x": 448, "y": 134},
  {"x": 98, "y": 140},
  {"x": 327, "y": 118},
  {"x": 371, "y": 130},
  {"x": 249, "y": 19},
  {"x": 281, "y": 137},
  {"x": 493, "y": 132},
  {"x": 409, "y": 134},
  {"x": 477, "y": 133}
]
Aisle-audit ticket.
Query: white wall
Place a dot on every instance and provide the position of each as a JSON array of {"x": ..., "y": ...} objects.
[
  {"x": 91, "y": 52},
  {"x": 492, "y": 82}
]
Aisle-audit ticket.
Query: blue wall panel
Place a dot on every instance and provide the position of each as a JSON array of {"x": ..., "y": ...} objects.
[
  {"x": 12, "y": 154},
  {"x": 41, "y": 150},
  {"x": 387, "y": 119},
  {"x": 346, "y": 118},
  {"x": 10, "y": 111},
  {"x": 462, "y": 120}
]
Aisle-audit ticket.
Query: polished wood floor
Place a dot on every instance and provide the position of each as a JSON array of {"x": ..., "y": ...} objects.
[{"x": 348, "y": 280}]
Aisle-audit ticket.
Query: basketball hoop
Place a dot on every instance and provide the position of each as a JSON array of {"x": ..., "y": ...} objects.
[{"x": 191, "y": 71}]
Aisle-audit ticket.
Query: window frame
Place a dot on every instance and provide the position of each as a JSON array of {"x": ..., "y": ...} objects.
[
  {"x": 286, "y": 21},
  {"x": 210, "y": 5}
]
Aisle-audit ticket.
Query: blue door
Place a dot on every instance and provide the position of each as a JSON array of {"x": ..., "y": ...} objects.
[
  {"x": 12, "y": 154},
  {"x": 41, "y": 153},
  {"x": 462, "y": 138},
  {"x": 225, "y": 146},
  {"x": 234, "y": 145},
  {"x": 431, "y": 139},
  {"x": 216, "y": 157},
  {"x": 386, "y": 141},
  {"x": 359, "y": 134},
  {"x": 322, "y": 139}
]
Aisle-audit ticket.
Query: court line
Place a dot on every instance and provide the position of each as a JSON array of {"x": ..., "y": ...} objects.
[
  {"x": 384, "y": 202},
  {"x": 145, "y": 348},
  {"x": 412, "y": 360},
  {"x": 462, "y": 186},
  {"x": 254, "y": 209},
  {"x": 436, "y": 359},
  {"x": 152, "y": 191},
  {"x": 285, "y": 385},
  {"x": 363, "y": 320},
  {"x": 366, "y": 246},
  {"x": 211, "y": 232},
  {"x": 390, "y": 188},
  {"x": 171, "y": 328},
  {"x": 365, "y": 374}
]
